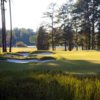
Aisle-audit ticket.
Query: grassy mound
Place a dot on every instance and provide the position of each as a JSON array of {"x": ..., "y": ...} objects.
[{"x": 47, "y": 58}]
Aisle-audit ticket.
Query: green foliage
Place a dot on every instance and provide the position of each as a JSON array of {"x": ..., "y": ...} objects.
[
  {"x": 84, "y": 17},
  {"x": 27, "y": 36},
  {"x": 42, "y": 39},
  {"x": 32, "y": 39}
]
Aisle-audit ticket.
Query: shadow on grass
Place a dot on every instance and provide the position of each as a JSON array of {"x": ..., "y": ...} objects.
[
  {"x": 77, "y": 66},
  {"x": 46, "y": 81},
  {"x": 49, "y": 87}
]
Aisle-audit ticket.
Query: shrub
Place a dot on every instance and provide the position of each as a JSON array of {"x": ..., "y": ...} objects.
[{"x": 21, "y": 44}]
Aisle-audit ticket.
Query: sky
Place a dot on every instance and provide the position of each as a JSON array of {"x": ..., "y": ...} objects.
[{"x": 28, "y": 13}]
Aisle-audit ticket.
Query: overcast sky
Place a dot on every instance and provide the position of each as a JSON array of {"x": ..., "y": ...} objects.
[{"x": 28, "y": 13}]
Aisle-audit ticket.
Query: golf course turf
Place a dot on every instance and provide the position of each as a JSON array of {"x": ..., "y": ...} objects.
[{"x": 72, "y": 76}]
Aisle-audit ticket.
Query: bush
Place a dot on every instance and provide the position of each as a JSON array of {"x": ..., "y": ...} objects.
[{"x": 21, "y": 44}]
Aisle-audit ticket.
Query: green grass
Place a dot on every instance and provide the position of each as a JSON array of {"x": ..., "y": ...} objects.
[
  {"x": 41, "y": 51},
  {"x": 74, "y": 62},
  {"x": 73, "y": 76}
]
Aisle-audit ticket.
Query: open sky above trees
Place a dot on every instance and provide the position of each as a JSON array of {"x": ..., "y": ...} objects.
[{"x": 28, "y": 13}]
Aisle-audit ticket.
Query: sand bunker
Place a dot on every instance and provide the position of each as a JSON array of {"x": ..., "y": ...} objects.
[
  {"x": 28, "y": 61},
  {"x": 11, "y": 57},
  {"x": 24, "y": 54}
]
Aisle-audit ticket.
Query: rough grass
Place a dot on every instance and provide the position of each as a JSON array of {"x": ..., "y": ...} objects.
[
  {"x": 73, "y": 76},
  {"x": 30, "y": 85}
]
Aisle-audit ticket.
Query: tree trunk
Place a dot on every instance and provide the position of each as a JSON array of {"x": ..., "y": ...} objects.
[
  {"x": 4, "y": 49},
  {"x": 99, "y": 35},
  {"x": 89, "y": 34},
  {"x": 93, "y": 44},
  {"x": 77, "y": 48},
  {"x": 82, "y": 45},
  {"x": 53, "y": 47},
  {"x": 65, "y": 43},
  {"x": 88, "y": 30},
  {"x": 53, "y": 44},
  {"x": 10, "y": 45},
  {"x": 76, "y": 40}
]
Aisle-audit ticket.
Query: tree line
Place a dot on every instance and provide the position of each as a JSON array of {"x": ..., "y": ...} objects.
[
  {"x": 15, "y": 37},
  {"x": 20, "y": 37},
  {"x": 74, "y": 24}
]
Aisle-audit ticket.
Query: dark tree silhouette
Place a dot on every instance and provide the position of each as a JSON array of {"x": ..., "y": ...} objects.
[
  {"x": 10, "y": 46},
  {"x": 69, "y": 36},
  {"x": 42, "y": 39},
  {"x": 4, "y": 49}
]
